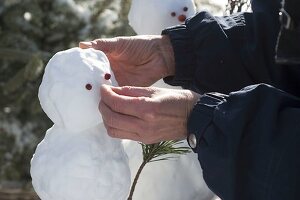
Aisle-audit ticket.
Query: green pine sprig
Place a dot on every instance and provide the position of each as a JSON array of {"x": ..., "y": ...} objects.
[{"x": 158, "y": 152}]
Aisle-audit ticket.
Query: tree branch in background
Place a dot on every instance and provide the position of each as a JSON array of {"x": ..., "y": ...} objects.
[{"x": 237, "y": 6}]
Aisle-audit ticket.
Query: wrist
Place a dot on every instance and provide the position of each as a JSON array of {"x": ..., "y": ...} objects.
[
  {"x": 191, "y": 99},
  {"x": 201, "y": 116},
  {"x": 166, "y": 50}
]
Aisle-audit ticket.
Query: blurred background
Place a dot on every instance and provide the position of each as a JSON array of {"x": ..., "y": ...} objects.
[{"x": 31, "y": 31}]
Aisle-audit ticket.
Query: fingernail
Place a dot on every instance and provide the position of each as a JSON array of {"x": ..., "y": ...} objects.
[{"x": 85, "y": 44}]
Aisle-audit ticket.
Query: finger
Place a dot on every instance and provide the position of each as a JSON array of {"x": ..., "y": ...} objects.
[
  {"x": 121, "y": 134},
  {"x": 85, "y": 45},
  {"x": 106, "y": 45},
  {"x": 133, "y": 91},
  {"x": 134, "y": 106},
  {"x": 120, "y": 121}
]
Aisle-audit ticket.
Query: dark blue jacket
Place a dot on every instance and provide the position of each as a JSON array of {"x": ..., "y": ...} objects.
[{"x": 248, "y": 141}]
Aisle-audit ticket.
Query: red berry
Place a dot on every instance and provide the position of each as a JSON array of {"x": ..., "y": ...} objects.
[
  {"x": 185, "y": 9},
  {"x": 107, "y": 76},
  {"x": 88, "y": 86},
  {"x": 173, "y": 14}
]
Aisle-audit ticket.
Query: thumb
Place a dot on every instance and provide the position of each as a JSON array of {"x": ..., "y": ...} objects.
[{"x": 106, "y": 45}]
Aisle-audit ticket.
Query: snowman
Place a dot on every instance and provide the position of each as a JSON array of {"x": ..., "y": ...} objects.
[
  {"x": 77, "y": 160},
  {"x": 179, "y": 178},
  {"x": 150, "y": 17}
]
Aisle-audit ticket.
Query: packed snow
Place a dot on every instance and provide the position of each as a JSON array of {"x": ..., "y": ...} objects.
[{"x": 77, "y": 159}]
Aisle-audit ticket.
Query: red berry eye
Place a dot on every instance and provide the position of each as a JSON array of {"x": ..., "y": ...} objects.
[
  {"x": 185, "y": 9},
  {"x": 107, "y": 76},
  {"x": 173, "y": 14},
  {"x": 88, "y": 86}
]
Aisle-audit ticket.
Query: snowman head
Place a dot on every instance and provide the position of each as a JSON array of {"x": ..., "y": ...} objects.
[
  {"x": 70, "y": 90},
  {"x": 152, "y": 16}
]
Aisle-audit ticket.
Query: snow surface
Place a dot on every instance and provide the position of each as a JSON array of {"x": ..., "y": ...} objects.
[
  {"x": 77, "y": 159},
  {"x": 152, "y": 16}
]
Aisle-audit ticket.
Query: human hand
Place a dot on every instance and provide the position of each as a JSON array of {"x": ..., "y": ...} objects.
[
  {"x": 137, "y": 60},
  {"x": 148, "y": 115}
]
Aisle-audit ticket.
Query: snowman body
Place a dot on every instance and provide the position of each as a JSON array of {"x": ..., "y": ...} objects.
[
  {"x": 77, "y": 160},
  {"x": 150, "y": 17}
]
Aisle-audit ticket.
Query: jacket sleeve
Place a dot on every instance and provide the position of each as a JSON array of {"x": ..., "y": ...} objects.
[
  {"x": 227, "y": 53},
  {"x": 248, "y": 143}
]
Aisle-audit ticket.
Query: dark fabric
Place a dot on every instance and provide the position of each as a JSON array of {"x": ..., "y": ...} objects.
[
  {"x": 225, "y": 54},
  {"x": 291, "y": 7},
  {"x": 248, "y": 145},
  {"x": 288, "y": 48}
]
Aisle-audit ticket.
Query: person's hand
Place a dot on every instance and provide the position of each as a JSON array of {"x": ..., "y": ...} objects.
[
  {"x": 147, "y": 115},
  {"x": 137, "y": 60}
]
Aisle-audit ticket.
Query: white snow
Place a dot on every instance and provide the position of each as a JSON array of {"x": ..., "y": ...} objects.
[
  {"x": 77, "y": 159},
  {"x": 152, "y": 16}
]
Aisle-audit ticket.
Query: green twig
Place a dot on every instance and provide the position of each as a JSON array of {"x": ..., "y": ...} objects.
[{"x": 152, "y": 152}]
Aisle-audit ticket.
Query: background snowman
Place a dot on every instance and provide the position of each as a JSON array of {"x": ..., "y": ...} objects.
[
  {"x": 148, "y": 17},
  {"x": 166, "y": 179},
  {"x": 77, "y": 160}
]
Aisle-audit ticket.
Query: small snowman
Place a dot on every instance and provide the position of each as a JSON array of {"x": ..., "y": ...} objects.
[
  {"x": 150, "y": 17},
  {"x": 77, "y": 160}
]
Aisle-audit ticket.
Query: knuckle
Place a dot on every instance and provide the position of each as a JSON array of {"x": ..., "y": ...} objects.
[
  {"x": 110, "y": 120},
  {"x": 127, "y": 89},
  {"x": 148, "y": 141},
  {"x": 111, "y": 132},
  {"x": 106, "y": 115},
  {"x": 140, "y": 127},
  {"x": 100, "y": 107},
  {"x": 149, "y": 115},
  {"x": 149, "y": 130},
  {"x": 149, "y": 133},
  {"x": 145, "y": 141},
  {"x": 115, "y": 105},
  {"x": 151, "y": 111}
]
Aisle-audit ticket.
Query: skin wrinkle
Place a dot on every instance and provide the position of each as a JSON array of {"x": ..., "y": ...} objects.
[{"x": 166, "y": 49}]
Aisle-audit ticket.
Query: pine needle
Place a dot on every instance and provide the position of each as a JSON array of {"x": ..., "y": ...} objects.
[{"x": 158, "y": 152}]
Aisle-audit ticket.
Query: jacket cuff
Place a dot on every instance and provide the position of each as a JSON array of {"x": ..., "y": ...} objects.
[
  {"x": 201, "y": 117},
  {"x": 184, "y": 56}
]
